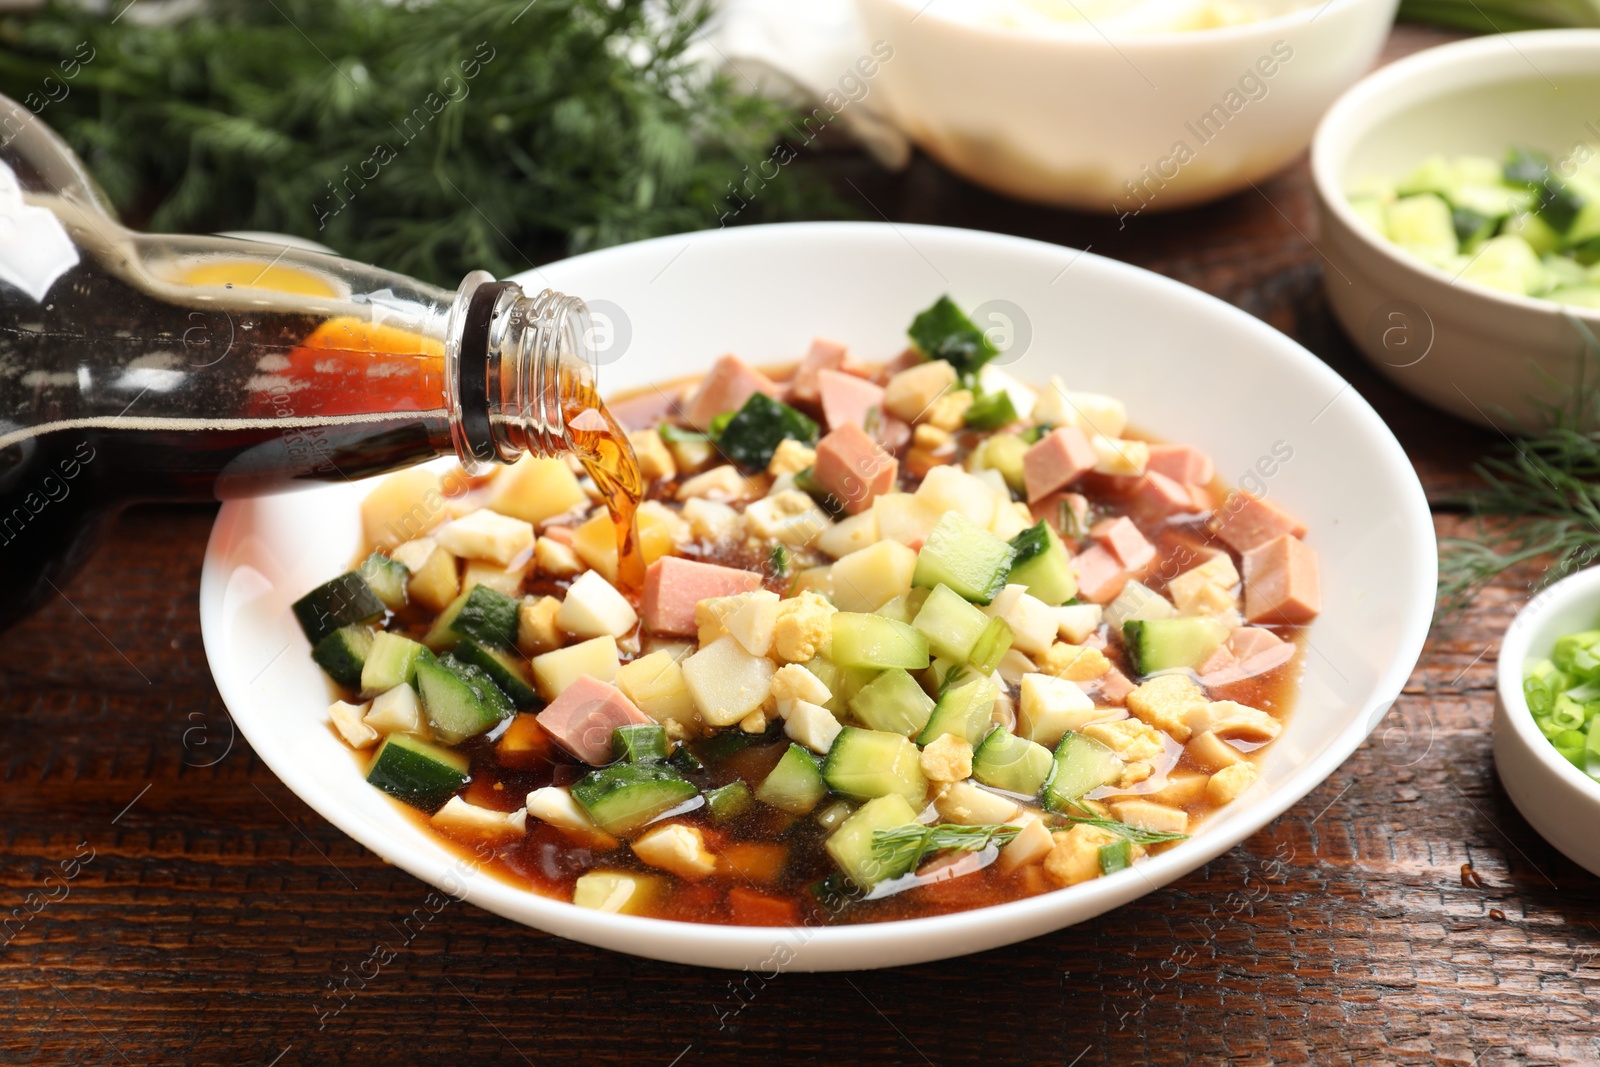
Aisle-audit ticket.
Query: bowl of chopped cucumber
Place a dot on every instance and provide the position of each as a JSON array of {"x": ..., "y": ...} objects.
[
  {"x": 1547, "y": 716},
  {"x": 949, "y": 635},
  {"x": 1459, "y": 192}
]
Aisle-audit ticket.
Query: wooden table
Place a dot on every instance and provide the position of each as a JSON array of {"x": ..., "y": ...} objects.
[{"x": 212, "y": 911}]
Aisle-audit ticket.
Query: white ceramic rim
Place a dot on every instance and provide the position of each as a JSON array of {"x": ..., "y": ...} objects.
[
  {"x": 1069, "y": 33},
  {"x": 1025, "y": 918},
  {"x": 1470, "y": 63},
  {"x": 1585, "y": 585}
]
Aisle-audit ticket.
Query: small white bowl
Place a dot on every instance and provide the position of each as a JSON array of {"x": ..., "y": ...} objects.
[
  {"x": 1190, "y": 368},
  {"x": 1076, "y": 118},
  {"x": 1474, "y": 351},
  {"x": 1558, "y": 800}
]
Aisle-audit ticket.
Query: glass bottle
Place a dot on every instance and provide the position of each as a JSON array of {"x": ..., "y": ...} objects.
[{"x": 137, "y": 367}]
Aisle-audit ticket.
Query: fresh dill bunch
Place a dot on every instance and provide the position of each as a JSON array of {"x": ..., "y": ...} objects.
[
  {"x": 430, "y": 138},
  {"x": 1545, "y": 484}
]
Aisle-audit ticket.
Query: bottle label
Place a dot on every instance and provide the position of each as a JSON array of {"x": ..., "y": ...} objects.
[{"x": 34, "y": 247}]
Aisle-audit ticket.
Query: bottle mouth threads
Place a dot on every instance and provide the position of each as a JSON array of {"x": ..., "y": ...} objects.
[{"x": 513, "y": 364}]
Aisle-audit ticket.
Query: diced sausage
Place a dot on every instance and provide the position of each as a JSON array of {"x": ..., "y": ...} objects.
[
  {"x": 1246, "y": 641},
  {"x": 847, "y": 400},
  {"x": 824, "y": 355},
  {"x": 1111, "y": 687},
  {"x": 1281, "y": 582},
  {"x": 1222, "y": 658},
  {"x": 854, "y": 468},
  {"x": 1123, "y": 539},
  {"x": 730, "y": 382},
  {"x": 1067, "y": 513},
  {"x": 582, "y": 718},
  {"x": 893, "y": 434},
  {"x": 1101, "y": 575},
  {"x": 1056, "y": 461},
  {"x": 1157, "y": 495},
  {"x": 1182, "y": 463},
  {"x": 673, "y": 586},
  {"x": 642, "y": 412},
  {"x": 1246, "y": 521}
]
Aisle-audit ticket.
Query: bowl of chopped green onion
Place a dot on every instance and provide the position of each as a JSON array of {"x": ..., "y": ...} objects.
[
  {"x": 1547, "y": 716},
  {"x": 1459, "y": 195}
]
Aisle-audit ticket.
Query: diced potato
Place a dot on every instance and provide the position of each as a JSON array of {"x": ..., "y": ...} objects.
[
  {"x": 1076, "y": 622},
  {"x": 726, "y": 682},
  {"x": 791, "y": 517},
  {"x": 655, "y": 460},
  {"x": 1010, "y": 519},
  {"x": 1013, "y": 666},
  {"x": 507, "y": 580},
  {"x": 930, "y": 438},
  {"x": 1147, "y": 815},
  {"x": 402, "y": 508},
  {"x": 722, "y": 483},
  {"x": 594, "y": 608},
  {"x": 810, "y": 724},
  {"x": 970, "y": 804},
  {"x": 910, "y": 393},
  {"x": 902, "y": 517},
  {"x": 396, "y": 712},
  {"x": 1033, "y": 622},
  {"x": 1211, "y": 753},
  {"x": 676, "y": 848},
  {"x": 753, "y": 620},
  {"x": 866, "y": 580},
  {"x": 655, "y": 683},
  {"x": 950, "y": 488},
  {"x": 461, "y": 820},
  {"x": 1138, "y": 601},
  {"x": 434, "y": 581},
  {"x": 595, "y": 541},
  {"x": 616, "y": 891},
  {"x": 348, "y": 720},
  {"x": 556, "y": 560},
  {"x": 848, "y": 535},
  {"x": 489, "y": 535},
  {"x": 1050, "y": 707},
  {"x": 1093, "y": 413},
  {"x": 1233, "y": 721},
  {"x": 534, "y": 489},
  {"x": 709, "y": 520},
  {"x": 537, "y": 631},
  {"x": 554, "y": 671},
  {"x": 1182, "y": 788},
  {"x": 1116, "y": 456},
  {"x": 1225, "y": 786},
  {"x": 655, "y": 513},
  {"x": 991, "y": 379},
  {"x": 1031, "y": 845},
  {"x": 556, "y": 807}
]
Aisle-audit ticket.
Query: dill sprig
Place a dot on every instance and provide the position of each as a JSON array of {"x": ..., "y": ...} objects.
[
  {"x": 905, "y": 847},
  {"x": 1548, "y": 481},
  {"x": 1135, "y": 834},
  {"x": 431, "y": 138}
]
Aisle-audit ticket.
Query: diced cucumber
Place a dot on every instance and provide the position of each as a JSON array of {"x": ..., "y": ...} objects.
[
  {"x": 387, "y": 578},
  {"x": 863, "y": 764},
  {"x": 1538, "y": 234},
  {"x": 851, "y": 844},
  {"x": 1081, "y": 764},
  {"x": 728, "y": 802},
  {"x": 1583, "y": 296},
  {"x": 685, "y": 761},
  {"x": 1042, "y": 564},
  {"x": 1012, "y": 763},
  {"x": 459, "y": 699},
  {"x": 1509, "y": 263},
  {"x": 1003, "y": 453},
  {"x": 1162, "y": 644},
  {"x": 964, "y": 556},
  {"x": 640, "y": 742},
  {"x": 625, "y": 796},
  {"x": 991, "y": 645},
  {"x": 391, "y": 661},
  {"x": 965, "y": 710},
  {"x": 1472, "y": 228},
  {"x": 843, "y": 683},
  {"x": 507, "y": 669},
  {"x": 869, "y": 641},
  {"x": 488, "y": 615},
  {"x": 897, "y": 609},
  {"x": 345, "y": 601},
  {"x": 795, "y": 784},
  {"x": 442, "y": 635},
  {"x": 1422, "y": 225},
  {"x": 894, "y": 703},
  {"x": 1116, "y": 856},
  {"x": 419, "y": 773},
  {"x": 343, "y": 653},
  {"x": 951, "y": 625}
]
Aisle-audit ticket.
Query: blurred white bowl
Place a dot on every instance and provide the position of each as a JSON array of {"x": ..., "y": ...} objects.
[
  {"x": 1558, "y": 800},
  {"x": 1070, "y": 117},
  {"x": 1476, "y": 352},
  {"x": 1190, "y": 368}
]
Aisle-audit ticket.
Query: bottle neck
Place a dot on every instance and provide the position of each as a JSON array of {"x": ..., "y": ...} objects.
[{"x": 515, "y": 365}]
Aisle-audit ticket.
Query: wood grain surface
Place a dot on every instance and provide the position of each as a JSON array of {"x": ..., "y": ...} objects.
[{"x": 183, "y": 907}]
